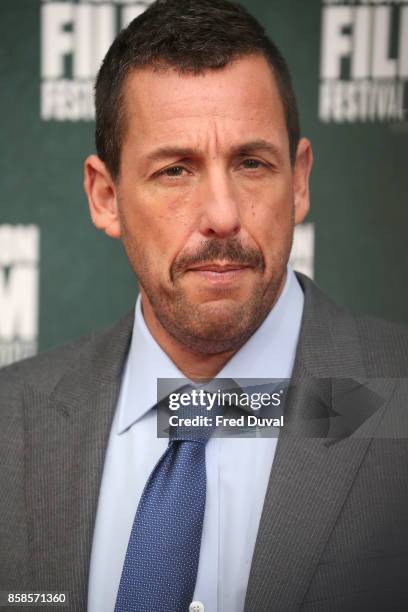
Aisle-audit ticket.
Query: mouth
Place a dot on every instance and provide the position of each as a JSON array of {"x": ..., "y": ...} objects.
[{"x": 218, "y": 273}]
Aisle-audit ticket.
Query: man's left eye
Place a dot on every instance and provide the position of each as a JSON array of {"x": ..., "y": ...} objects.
[{"x": 253, "y": 164}]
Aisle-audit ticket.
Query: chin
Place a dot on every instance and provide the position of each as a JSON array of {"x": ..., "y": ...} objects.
[
  {"x": 217, "y": 313},
  {"x": 215, "y": 327}
]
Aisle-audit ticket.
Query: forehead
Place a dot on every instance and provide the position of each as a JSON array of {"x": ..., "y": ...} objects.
[{"x": 239, "y": 101}]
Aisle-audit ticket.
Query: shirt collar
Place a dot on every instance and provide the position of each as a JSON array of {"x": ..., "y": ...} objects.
[{"x": 269, "y": 353}]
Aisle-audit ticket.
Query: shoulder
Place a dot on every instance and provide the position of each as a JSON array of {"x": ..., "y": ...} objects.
[
  {"x": 45, "y": 370},
  {"x": 384, "y": 345}
]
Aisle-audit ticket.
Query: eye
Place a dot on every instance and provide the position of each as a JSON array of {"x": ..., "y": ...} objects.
[
  {"x": 172, "y": 172},
  {"x": 253, "y": 164}
]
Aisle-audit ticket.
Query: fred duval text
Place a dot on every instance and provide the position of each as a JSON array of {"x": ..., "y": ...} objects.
[{"x": 222, "y": 421}]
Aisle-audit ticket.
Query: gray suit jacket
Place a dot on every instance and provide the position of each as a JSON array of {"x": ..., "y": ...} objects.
[{"x": 334, "y": 528}]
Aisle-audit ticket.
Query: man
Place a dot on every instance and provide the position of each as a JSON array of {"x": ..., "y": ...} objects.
[{"x": 202, "y": 174}]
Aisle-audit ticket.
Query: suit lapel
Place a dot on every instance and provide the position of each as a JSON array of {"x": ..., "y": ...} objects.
[
  {"x": 66, "y": 439},
  {"x": 311, "y": 477}
]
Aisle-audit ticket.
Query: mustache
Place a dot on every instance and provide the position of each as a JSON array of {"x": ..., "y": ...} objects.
[{"x": 229, "y": 251}]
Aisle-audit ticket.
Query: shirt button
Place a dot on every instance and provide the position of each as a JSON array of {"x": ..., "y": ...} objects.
[{"x": 196, "y": 606}]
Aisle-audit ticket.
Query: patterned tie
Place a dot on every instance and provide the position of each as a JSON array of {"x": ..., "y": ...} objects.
[{"x": 160, "y": 568}]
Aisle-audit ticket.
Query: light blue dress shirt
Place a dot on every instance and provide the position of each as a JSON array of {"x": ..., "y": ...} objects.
[{"x": 238, "y": 469}]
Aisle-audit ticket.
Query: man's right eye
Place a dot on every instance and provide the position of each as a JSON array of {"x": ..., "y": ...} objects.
[{"x": 172, "y": 172}]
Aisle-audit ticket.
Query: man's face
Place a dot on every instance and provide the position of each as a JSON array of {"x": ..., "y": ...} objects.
[{"x": 206, "y": 199}]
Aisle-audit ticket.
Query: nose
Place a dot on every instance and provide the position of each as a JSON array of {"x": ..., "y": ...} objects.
[{"x": 219, "y": 205}]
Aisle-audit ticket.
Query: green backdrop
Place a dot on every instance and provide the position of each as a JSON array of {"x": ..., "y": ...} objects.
[{"x": 359, "y": 183}]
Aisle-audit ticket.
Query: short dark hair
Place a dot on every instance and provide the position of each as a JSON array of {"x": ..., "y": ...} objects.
[{"x": 191, "y": 36}]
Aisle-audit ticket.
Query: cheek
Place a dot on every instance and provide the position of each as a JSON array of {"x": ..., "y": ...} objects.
[
  {"x": 154, "y": 230},
  {"x": 270, "y": 215}
]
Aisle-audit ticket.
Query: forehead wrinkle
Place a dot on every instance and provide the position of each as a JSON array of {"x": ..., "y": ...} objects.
[
  {"x": 244, "y": 148},
  {"x": 217, "y": 140},
  {"x": 205, "y": 142},
  {"x": 213, "y": 140},
  {"x": 212, "y": 137}
]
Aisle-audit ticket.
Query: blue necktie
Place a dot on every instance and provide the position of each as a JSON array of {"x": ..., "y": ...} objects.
[{"x": 160, "y": 568}]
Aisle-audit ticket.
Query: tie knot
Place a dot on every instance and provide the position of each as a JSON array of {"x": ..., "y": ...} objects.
[{"x": 193, "y": 421}]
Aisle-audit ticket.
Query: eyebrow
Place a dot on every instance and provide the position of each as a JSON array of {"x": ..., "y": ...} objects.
[{"x": 241, "y": 149}]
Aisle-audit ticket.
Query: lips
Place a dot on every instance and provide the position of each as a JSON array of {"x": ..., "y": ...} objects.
[
  {"x": 218, "y": 275},
  {"x": 220, "y": 268}
]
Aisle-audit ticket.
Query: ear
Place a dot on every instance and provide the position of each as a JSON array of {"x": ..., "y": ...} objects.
[
  {"x": 102, "y": 197},
  {"x": 301, "y": 173}
]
